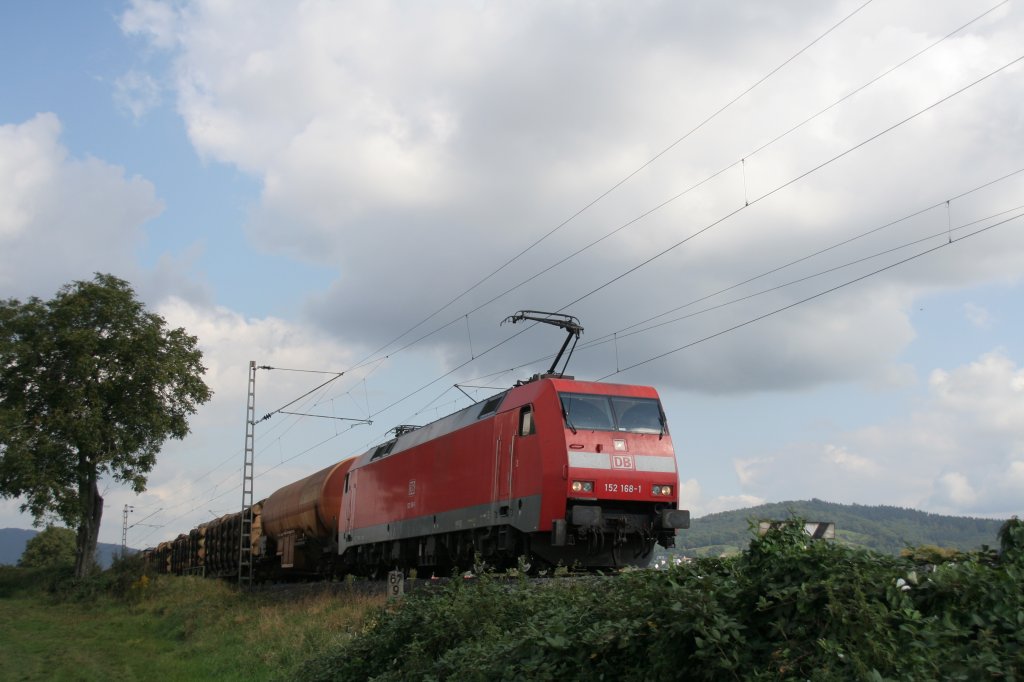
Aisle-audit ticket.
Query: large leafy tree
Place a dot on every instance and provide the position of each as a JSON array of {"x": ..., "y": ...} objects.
[{"x": 91, "y": 385}]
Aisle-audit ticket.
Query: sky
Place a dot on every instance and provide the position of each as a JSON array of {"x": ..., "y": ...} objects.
[{"x": 800, "y": 221}]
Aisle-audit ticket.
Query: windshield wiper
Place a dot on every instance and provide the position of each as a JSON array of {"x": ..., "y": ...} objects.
[{"x": 568, "y": 422}]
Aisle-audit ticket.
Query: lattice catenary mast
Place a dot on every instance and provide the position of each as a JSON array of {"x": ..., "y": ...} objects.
[{"x": 245, "y": 532}]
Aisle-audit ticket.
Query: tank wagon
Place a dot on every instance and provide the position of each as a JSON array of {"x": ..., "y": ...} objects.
[{"x": 562, "y": 471}]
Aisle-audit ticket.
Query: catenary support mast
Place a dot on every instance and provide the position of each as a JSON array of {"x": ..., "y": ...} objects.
[
  {"x": 245, "y": 536},
  {"x": 124, "y": 530}
]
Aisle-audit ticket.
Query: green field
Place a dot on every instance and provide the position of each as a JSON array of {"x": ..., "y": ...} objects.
[{"x": 165, "y": 628}]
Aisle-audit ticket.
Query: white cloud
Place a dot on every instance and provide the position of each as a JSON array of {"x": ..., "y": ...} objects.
[
  {"x": 988, "y": 392},
  {"x": 156, "y": 20},
  {"x": 730, "y": 502},
  {"x": 1012, "y": 479},
  {"x": 63, "y": 218},
  {"x": 226, "y": 336},
  {"x": 28, "y": 163},
  {"x": 416, "y": 148},
  {"x": 978, "y": 315},
  {"x": 746, "y": 470},
  {"x": 852, "y": 463},
  {"x": 692, "y": 497},
  {"x": 203, "y": 473},
  {"x": 136, "y": 93},
  {"x": 961, "y": 451},
  {"x": 955, "y": 490}
]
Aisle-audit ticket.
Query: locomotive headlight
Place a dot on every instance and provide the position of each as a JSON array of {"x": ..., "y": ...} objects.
[
  {"x": 662, "y": 490},
  {"x": 583, "y": 486}
]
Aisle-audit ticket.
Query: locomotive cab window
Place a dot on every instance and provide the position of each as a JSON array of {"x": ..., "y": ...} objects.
[
  {"x": 383, "y": 450},
  {"x": 613, "y": 413},
  {"x": 526, "y": 425},
  {"x": 491, "y": 406},
  {"x": 638, "y": 415}
]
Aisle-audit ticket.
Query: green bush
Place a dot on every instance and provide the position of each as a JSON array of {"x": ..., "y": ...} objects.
[
  {"x": 120, "y": 581},
  {"x": 786, "y": 608},
  {"x": 52, "y": 548},
  {"x": 1011, "y": 540}
]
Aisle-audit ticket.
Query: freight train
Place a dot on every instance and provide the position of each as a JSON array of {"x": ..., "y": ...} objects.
[{"x": 563, "y": 472}]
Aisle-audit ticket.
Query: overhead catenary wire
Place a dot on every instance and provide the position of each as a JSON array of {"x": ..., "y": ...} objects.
[
  {"x": 236, "y": 453},
  {"x": 622, "y": 331},
  {"x": 877, "y": 78},
  {"x": 722, "y": 219},
  {"x": 810, "y": 298},
  {"x": 288, "y": 424},
  {"x": 786, "y": 184},
  {"x": 202, "y": 499},
  {"x": 783, "y": 308},
  {"x": 819, "y": 252},
  {"x": 943, "y": 233},
  {"x": 196, "y": 505},
  {"x": 774, "y": 270},
  {"x": 337, "y": 375},
  {"x": 741, "y": 162},
  {"x": 611, "y": 189}
]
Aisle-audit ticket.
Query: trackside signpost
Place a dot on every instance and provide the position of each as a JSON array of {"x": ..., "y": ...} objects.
[
  {"x": 818, "y": 530},
  {"x": 396, "y": 584}
]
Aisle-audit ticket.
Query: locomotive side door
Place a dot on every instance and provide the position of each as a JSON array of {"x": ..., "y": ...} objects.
[
  {"x": 526, "y": 479},
  {"x": 347, "y": 510},
  {"x": 504, "y": 469},
  {"x": 516, "y": 447}
]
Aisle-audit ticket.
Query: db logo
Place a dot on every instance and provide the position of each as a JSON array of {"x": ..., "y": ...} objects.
[{"x": 622, "y": 462}]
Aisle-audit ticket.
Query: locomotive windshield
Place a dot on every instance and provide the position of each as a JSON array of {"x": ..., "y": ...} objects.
[{"x": 612, "y": 413}]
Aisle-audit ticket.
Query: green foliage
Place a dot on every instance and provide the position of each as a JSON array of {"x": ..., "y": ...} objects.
[
  {"x": 91, "y": 384},
  {"x": 55, "y": 546},
  {"x": 786, "y": 608},
  {"x": 930, "y": 554},
  {"x": 1011, "y": 539},
  {"x": 119, "y": 582}
]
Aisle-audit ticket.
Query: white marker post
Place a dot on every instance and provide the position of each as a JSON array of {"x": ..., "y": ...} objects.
[{"x": 396, "y": 584}]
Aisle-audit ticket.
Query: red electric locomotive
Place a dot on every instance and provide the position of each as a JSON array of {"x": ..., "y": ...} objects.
[
  {"x": 561, "y": 471},
  {"x": 570, "y": 472}
]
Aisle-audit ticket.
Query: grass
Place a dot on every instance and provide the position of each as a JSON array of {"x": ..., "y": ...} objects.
[{"x": 167, "y": 628}]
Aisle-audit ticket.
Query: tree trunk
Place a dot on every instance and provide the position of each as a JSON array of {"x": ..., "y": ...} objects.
[{"x": 89, "y": 525}]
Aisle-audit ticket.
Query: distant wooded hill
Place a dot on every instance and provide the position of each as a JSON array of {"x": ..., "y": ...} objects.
[
  {"x": 882, "y": 529},
  {"x": 13, "y": 540}
]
